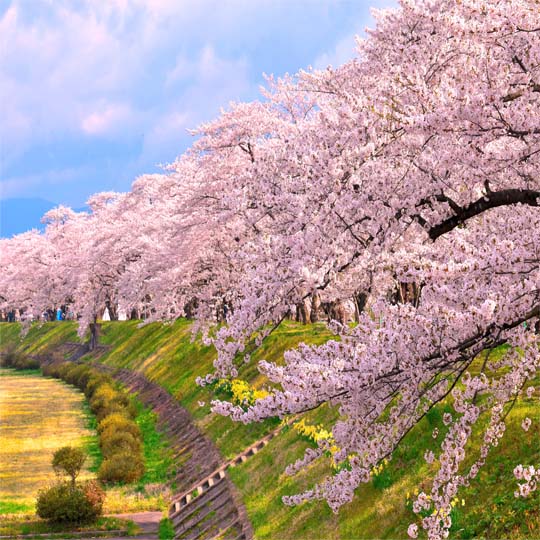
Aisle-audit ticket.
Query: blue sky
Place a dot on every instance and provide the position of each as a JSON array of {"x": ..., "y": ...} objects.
[{"x": 97, "y": 92}]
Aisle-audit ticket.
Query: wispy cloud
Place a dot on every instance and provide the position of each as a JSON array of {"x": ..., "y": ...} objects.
[
  {"x": 119, "y": 81},
  {"x": 108, "y": 119}
]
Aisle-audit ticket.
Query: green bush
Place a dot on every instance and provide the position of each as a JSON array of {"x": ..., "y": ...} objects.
[
  {"x": 52, "y": 369},
  {"x": 56, "y": 370},
  {"x": 107, "y": 400},
  {"x": 17, "y": 360},
  {"x": 129, "y": 427},
  {"x": 121, "y": 422},
  {"x": 105, "y": 403},
  {"x": 84, "y": 377},
  {"x": 94, "y": 382},
  {"x": 65, "y": 503},
  {"x": 102, "y": 395},
  {"x": 94, "y": 495},
  {"x": 69, "y": 370},
  {"x": 48, "y": 370},
  {"x": 26, "y": 362},
  {"x": 9, "y": 358},
  {"x": 122, "y": 467},
  {"x": 120, "y": 442},
  {"x": 78, "y": 375},
  {"x": 113, "y": 407}
]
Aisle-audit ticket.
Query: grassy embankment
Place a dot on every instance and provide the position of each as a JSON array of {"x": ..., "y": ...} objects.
[{"x": 165, "y": 354}]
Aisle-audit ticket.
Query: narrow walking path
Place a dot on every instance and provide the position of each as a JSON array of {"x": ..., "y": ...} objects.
[{"x": 148, "y": 522}]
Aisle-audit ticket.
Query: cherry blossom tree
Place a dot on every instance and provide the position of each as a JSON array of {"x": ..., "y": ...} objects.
[
  {"x": 407, "y": 179},
  {"x": 417, "y": 162},
  {"x": 33, "y": 269}
]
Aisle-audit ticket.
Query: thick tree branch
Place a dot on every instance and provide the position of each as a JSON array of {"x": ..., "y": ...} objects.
[{"x": 491, "y": 200}]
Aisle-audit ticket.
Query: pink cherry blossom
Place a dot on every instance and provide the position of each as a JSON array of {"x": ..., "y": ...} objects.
[
  {"x": 403, "y": 184},
  {"x": 412, "y": 531}
]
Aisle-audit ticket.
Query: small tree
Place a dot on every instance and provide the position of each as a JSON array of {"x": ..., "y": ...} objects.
[
  {"x": 69, "y": 460},
  {"x": 70, "y": 502}
]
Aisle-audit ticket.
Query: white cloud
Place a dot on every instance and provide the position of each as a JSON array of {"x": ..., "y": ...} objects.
[
  {"x": 110, "y": 119},
  {"x": 21, "y": 185},
  {"x": 210, "y": 87}
]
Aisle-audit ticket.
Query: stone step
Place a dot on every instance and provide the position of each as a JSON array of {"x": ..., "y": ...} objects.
[
  {"x": 223, "y": 516},
  {"x": 187, "y": 505}
]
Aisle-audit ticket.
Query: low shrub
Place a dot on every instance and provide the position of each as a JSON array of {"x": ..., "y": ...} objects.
[
  {"x": 103, "y": 395},
  {"x": 122, "y": 467},
  {"x": 26, "y": 362},
  {"x": 16, "y": 360},
  {"x": 53, "y": 369},
  {"x": 120, "y": 442},
  {"x": 56, "y": 370},
  {"x": 118, "y": 421},
  {"x": 107, "y": 401},
  {"x": 94, "y": 382},
  {"x": 110, "y": 407},
  {"x": 48, "y": 370},
  {"x": 94, "y": 495},
  {"x": 8, "y": 358},
  {"x": 65, "y": 503},
  {"x": 84, "y": 377},
  {"x": 78, "y": 375}
]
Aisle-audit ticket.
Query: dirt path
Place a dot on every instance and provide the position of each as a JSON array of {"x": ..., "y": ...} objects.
[{"x": 147, "y": 521}]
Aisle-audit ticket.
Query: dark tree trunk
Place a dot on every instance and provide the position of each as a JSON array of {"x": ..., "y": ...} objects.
[
  {"x": 336, "y": 311},
  {"x": 360, "y": 301},
  {"x": 222, "y": 310},
  {"x": 302, "y": 313},
  {"x": 190, "y": 308},
  {"x": 315, "y": 306},
  {"x": 409, "y": 293},
  {"x": 113, "y": 311},
  {"x": 95, "y": 328}
]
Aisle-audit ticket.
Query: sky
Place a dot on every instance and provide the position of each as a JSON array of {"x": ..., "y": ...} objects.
[{"x": 94, "y": 93}]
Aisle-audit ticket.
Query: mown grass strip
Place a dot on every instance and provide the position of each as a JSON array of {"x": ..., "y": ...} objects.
[{"x": 37, "y": 417}]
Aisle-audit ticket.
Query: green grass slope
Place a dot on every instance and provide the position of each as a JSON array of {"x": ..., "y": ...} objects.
[{"x": 167, "y": 355}]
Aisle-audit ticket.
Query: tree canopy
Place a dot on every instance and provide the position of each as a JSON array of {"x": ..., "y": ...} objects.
[{"x": 416, "y": 162}]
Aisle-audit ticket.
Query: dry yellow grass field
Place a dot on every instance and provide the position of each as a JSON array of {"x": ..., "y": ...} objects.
[{"x": 37, "y": 416}]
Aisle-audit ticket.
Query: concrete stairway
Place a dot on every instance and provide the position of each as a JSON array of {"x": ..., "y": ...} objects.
[{"x": 207, "y": 505}]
